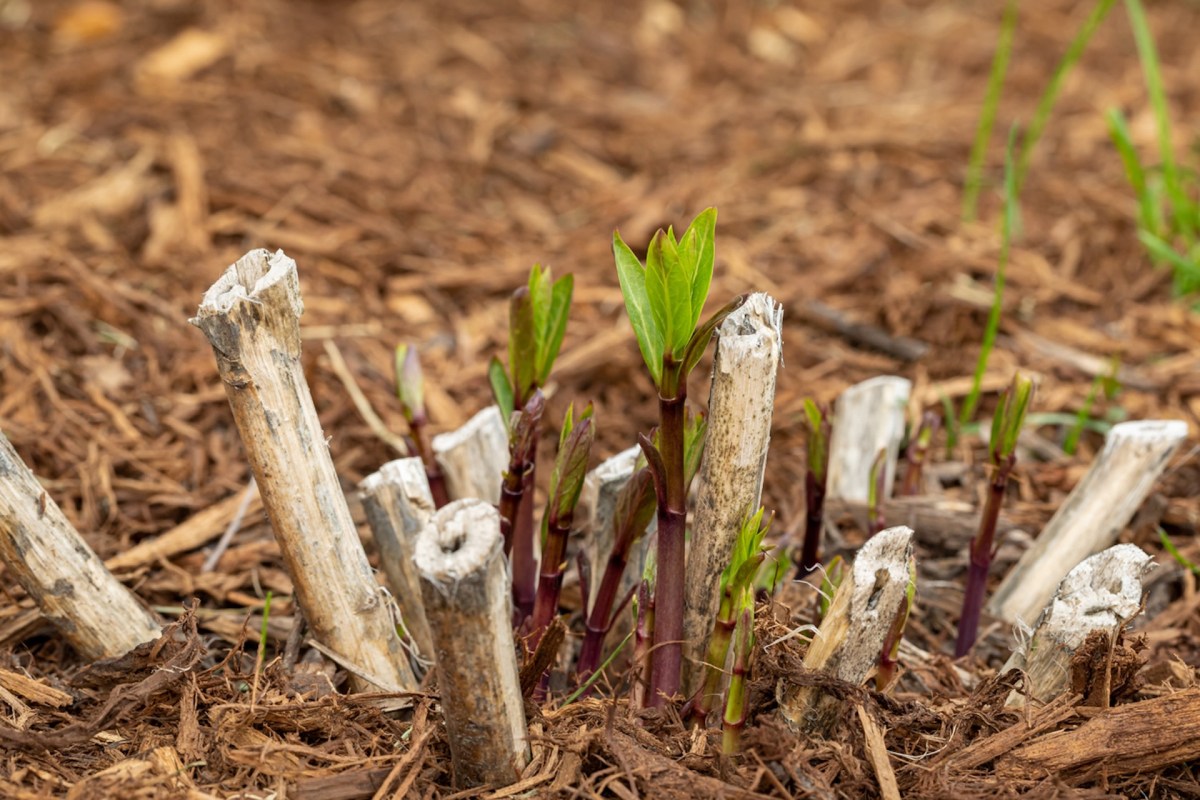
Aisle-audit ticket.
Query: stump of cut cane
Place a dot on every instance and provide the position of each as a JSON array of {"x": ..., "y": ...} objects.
[
  {"x": 468, "y": 603},
  {"x": 251, "y": 317},
  {"x": 70, "y": 584}
]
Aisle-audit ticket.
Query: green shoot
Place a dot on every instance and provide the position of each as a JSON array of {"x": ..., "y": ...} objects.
[
  {"x": 664, "y": 299},
  {"x": 987, "y": 117},
  {"x": 738, "y": 693},
  {"x": 537, "y": 322},
  {"x": 875, "y": 498},
  {"x": 890, "y": 653},
  {"x": 1007, "y": 226},
  {"x": 1002, "y": 446},
  {"x": 1106, "y": 383},
  {"x": 817, "y": 420},
  {"x": 410, "y": 390},
  {"x": 917, "y": 453},
  {"x": 566, "y": 482},
  {"x": 737, "y": 590},
  {"x": 644, "y": 618}
]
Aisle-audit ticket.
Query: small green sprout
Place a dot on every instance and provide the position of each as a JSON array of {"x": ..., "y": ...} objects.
[
  {"x": 537, "y": 322},
  {"x": 816, "y": 419},
  {"x": 1002, "y": 446}
]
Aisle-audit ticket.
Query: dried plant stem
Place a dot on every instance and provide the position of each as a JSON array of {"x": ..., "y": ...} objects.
[
  {"x": 867, "y": 417},
  {"x": 749, "y": 348},
  {"x": 464, "y": 581},
  {"x": 71, "y": 586},
  {"x": 854, "y": 629},
  {"x": 1093, "y": 516},
  {"x": 398, "y": 504},
  {"x": 473, "y": 457},
  {"x": 1101, "y": 594},
  {"x": 251, "y": 317}
]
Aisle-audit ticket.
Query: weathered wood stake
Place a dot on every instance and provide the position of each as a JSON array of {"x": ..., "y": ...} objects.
[
  {"x": 68, "y": 581},
  {"x": 867, "y": 417},
  {"x": 398, "y": 505},
  {"x": 850, "y": 639},
  {"x": 597, "y": 504},
  {"x": 468, "y": 602},
  {"x": 749, "y": 349},
  {"x": 251, "y": 317},
  {"x": 474, "y": 457},
  {"x": 1093, "y": 516},
  {"x": 1101, "y": 594}
]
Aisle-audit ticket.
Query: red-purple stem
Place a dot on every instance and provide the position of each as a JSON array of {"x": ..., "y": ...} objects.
[
  {"x": 814, "y": 501},
  {"x": 667, "y": 656},
  {"x": 524, "y": 565},
  {"x": 982, "y": 550}
]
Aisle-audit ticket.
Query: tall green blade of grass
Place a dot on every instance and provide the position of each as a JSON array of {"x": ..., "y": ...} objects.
[
  {"x": 1180, "y": 204},
  {"x": 1149, "y": 209},
  {"x": 987, "y": 116},
  {"x": 1008, "y": 224},
  {"x": 1041, "y": 114}
]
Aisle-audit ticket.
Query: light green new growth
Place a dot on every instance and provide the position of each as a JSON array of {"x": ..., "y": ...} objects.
[
  {"x": 664, "y": 297},
  {"x": 835, "y": 570},
  {"x": 1010, "y": 418},
  {"x": 987, "y": 117},
  {"x": 1041, "y": 114},
  {"x": 537, "y": 322},
  {"x": 734, "y": 719},
  {"x": 1007, "y": 226}
]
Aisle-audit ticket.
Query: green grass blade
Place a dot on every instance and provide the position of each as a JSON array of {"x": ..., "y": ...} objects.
[
  {"x": 1007, "y": 225},
  {"x": 1118, "y": 131},
  {"x": 1041, "y": 115},
  {"x": 987, "y": 116},
  {"x": 1180, "y": 204},
  {"x": 1186, "y": 272}
]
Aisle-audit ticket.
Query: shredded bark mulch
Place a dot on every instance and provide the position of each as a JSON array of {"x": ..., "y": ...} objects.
[{"x": 416, "y": 159}]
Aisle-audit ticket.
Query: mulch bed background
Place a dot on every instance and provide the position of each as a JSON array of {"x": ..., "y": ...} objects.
[{"x": 416, "y": 159}]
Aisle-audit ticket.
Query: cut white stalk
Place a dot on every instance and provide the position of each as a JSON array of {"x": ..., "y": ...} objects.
[
  {"x": 1093, "y": 516},
  {"x": 71, "y": 586},
  {"x": 468, "y": 601},
  {"x": 867, "y": 417},
  {"x": 474, "y": 457},
  {"x": 398, "y": 505},
  {"x": 597, "y": 504},
  {"x": 1101, "y": 594},
  {"x": 851, "y": 636},
  {"x": 251, "y": 317},
  {"x": 742, "y": 397}
]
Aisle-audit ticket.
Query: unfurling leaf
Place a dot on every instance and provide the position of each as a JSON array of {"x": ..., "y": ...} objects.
[
  {"x": 570, "y": 465},
  {"x": 501, "y": 389},
  {"x": 410, "y": 384},
  {"x": 632, "y": 276},
  {"x": 522, "y": 343}
]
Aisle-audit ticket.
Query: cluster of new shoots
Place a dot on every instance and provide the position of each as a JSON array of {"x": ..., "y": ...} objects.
[
  {"x": 537, "y": 322},
  {"x": 410, "y": 390},
  {"x": 1002, "y": 447},
  {"x": 737, "y": 592},
  {"x": 817, "y": 419},
  {"x": 664, "y": 299},
  {"x": 734, "y": 720}
]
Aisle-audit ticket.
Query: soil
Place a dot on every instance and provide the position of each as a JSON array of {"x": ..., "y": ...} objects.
[{"x": 416, "y": 159}]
